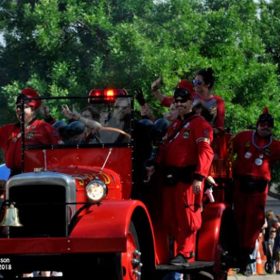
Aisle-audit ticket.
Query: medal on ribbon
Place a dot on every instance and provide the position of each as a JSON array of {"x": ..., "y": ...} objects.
[
  {"x": 248, "y": 155},
  {"x": 258, "y": 161}
]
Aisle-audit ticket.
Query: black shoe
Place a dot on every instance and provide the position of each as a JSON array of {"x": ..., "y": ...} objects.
[
  {"x": 246, "y": 273},
  {"x": 179, "y": 260},
  {"x": 244, "y": 261},
  {"x": 229, "y": 261}
]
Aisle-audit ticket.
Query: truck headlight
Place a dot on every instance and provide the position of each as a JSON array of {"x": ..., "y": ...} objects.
[{"x": 96, "y": 190}]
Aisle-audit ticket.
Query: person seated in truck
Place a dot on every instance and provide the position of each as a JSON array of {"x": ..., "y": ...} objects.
[
  {"x": 36, "y": 131},
  {"x": 148, "y": 134},
  {"x": 120, "y": 118},
  {"x": 113, "y": 131},
  {"x": 89, "y": 118},
  {"x": 73, "y": 133},
  {"x": 90, "y": 113}
]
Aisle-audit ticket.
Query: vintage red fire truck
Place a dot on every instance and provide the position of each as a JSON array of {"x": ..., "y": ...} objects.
[{"x": 72, "y": 209}]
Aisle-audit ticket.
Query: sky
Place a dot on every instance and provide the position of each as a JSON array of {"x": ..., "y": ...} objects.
[{"x": 1, "y": 39}]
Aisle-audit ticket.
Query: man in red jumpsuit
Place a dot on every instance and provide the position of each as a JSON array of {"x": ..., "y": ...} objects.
[
  {"x": 36, "y": 131},
  {"x": 255, "y": 151},
  {"x": 184, "y": 160}
]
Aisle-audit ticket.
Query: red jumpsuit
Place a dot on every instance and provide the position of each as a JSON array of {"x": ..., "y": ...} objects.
[
  {"x": 251, "y": 176},
  {"x": 38, "y": 132},
  {"x": 187, "y": 147}
]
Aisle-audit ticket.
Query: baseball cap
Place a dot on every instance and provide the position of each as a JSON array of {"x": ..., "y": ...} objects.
[
  {"x": 30, "y": 97},
  {"x": 183, "y": 94}
]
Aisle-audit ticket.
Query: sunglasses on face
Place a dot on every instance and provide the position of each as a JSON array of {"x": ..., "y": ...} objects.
[
  {"x": 181, "y": 99},
  {"x": 197, "y": 82}
]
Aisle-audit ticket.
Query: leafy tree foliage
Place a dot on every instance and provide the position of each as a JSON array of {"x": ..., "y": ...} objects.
[{"x": 67, "y": 47}]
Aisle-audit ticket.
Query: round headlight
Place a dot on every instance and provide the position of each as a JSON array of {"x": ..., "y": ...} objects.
[{"x": 96, "y": 190}]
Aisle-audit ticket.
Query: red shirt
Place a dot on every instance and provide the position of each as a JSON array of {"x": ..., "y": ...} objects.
[
  {"x": 187, "y": 143},
  {"x": 254, "y": 154},
  {"x": 38, "y": 132}
]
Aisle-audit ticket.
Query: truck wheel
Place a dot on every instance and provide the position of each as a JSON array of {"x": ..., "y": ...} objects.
[{"x": 131, "y": 259}]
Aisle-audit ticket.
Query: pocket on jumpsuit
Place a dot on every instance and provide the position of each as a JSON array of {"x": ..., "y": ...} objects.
[{"x": 194, "y": 217}]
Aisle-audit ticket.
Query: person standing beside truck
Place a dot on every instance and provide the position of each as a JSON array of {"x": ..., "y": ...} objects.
[
  {"x": 184, "y": 159},
  {"x": 254, "y": 151},
  {"x": 36, "y": 131}
]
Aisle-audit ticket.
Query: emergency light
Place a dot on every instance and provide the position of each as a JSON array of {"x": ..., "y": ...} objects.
[{"x": 105, "y": 95}]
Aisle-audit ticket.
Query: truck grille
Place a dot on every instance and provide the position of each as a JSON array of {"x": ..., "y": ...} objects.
[{"x": 42, "y": 210}]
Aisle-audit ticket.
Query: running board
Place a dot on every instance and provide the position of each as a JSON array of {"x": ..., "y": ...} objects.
[{"x": 197, "y": 265}]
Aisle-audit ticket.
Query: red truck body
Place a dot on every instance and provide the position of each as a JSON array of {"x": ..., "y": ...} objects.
[{"x": 63, "y": 230}]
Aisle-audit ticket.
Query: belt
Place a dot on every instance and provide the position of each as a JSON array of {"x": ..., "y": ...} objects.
[{"x": 173, "y": 175}]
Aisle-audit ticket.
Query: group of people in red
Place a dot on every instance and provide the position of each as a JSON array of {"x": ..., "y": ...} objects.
[{"x": 184, "y": 157}]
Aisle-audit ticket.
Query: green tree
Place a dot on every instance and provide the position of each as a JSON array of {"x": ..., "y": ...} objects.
[
  {"x": 269, "y": 12},
  {"x": 68, "y": 47}
]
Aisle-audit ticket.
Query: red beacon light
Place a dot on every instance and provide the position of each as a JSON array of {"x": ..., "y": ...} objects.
[
  {"x": 105, "y": 95},
  {"x": 109, "y": 94}
]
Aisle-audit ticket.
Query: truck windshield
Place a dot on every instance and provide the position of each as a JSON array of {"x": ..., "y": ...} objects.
[{"x": 75, "y": 121}]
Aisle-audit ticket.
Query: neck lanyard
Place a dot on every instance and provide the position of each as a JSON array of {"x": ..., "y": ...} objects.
[{"x": 255, "y": 144}]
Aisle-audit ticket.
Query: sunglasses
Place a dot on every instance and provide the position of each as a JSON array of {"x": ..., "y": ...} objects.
[
  {"x": 181, "y": 99},
  {"x": 197, "y": 82}
]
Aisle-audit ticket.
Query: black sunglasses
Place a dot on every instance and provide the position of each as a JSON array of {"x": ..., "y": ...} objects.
[{"x": 182, "y": 99}]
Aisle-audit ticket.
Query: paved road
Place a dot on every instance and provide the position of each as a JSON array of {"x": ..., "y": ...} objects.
[
  {"x": 258, "y": 277},
  {"x": 273, "y": 204},
  {"x": 273, "y": 200}
]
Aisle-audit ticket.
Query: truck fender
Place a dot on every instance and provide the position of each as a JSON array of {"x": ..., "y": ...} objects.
[
  {"x": 209, "y": 233},
  {"x": 105, "y": 227}
]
